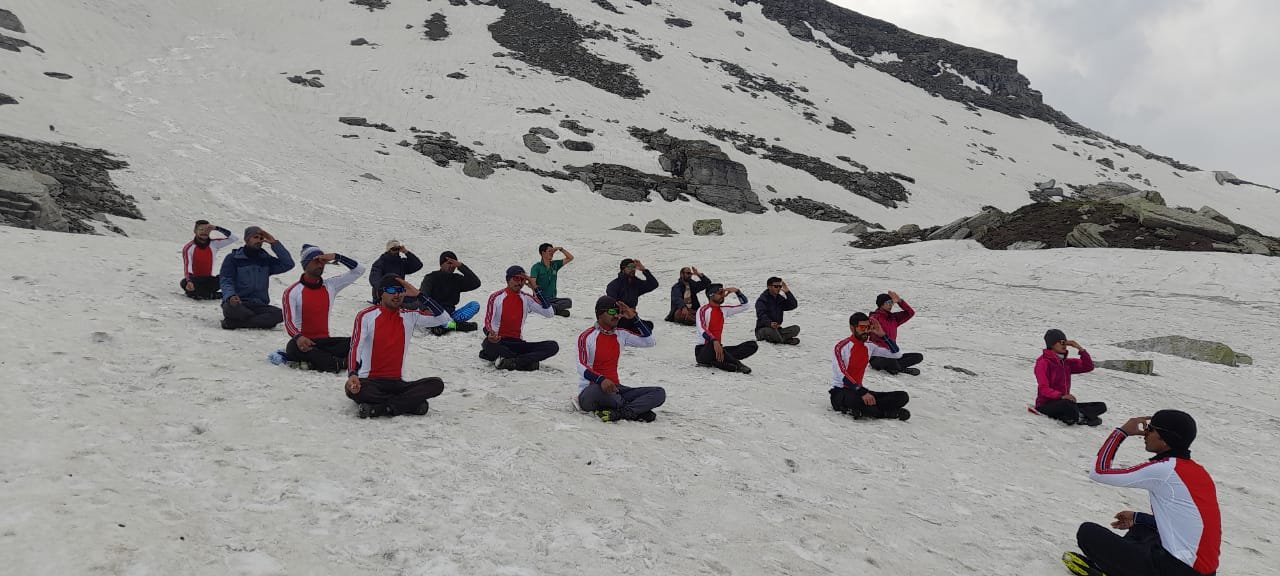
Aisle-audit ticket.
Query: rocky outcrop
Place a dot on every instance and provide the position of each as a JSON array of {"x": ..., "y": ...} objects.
[
  {"x": 658, "y": 227},
  {"x": 535, "y": 144},
  {"x": 627, "y": 228},
  {"x": 1087, "y": 235},
  {"x": 7, "y": 99},
  {"x": 1189, "y": 348},
  {"x": 1152, "y": 215},
  {"x": 359, "y": 42},
  {"x": 970, "y": 227},
  {"x": 755, "y": 84},
  {"x": 372, "y": 4},
  {"x": 9, "y": 21},
  {"x": 578, "y": 145},
  {"x": 576, "y": 127},
  {"x": 709, "y": 175},
  {"x": 625, "y": 183},
  {"x": 708, "y": 227},
  {"x": 838, "y": 125},
  {"x": 58, "y": 75},
  {"x": 477, "y": 168},
  {"x": 59, "y": 186},
  {"x": 549, "y": 38},
  {"x": 364, "y": 123},
  {"x": 678, "y": 23},
  {"x": 16, "y": 44},
  {"x": 820, "y": 211},
  {"x": 1144, "y": 367},
  {"x": 436, "y": 27},
  {"x": 308, "y": 82}
]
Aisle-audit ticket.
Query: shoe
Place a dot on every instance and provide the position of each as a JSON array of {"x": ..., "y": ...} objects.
[
  {"x": 298, "y": 365},
  {"x": 423, "y": 408},
  {"x": 701, "y": 365},
  {"x": 562, "y": 313},
  {"x": 531, "y": 368},
  {"x": 852, "y": 413},
  {"x": 439, "y": 330},
  {"x": 1079, "y": 565},
  {"x": 465, "y": 326},
  {"x": 277, "y": 357},
  {"x": 226, "y": 326},
  {"x": 646, "y": 417},
  {"x": 911, "y": 371},
  {"x": 792, "y": 341},
  {"x": 488, "y": 356},
  {"x": 506, "y": 364},
  {"x": 372, "y": 411},
  {"x": 903, "y": 414},
  {"x": 1093, "y": 421},
  {"x": 744, "y": 369},
  {"x": 605, "y": 415}
]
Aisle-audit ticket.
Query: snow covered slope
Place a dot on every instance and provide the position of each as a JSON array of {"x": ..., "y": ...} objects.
[{"x": 140, "y": 439}]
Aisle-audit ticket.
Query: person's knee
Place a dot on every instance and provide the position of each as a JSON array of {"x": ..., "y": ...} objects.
[
  {"x": 1089, "y": 532},
  {"x": 659, "y": 396},
  {"x": 552, "y": 347}
]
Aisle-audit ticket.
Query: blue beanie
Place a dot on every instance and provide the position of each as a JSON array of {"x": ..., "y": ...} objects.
[{"x": 309, "y": 252}]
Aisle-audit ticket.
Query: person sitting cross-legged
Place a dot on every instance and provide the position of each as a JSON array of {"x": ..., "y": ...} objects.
[
  {"x": 599, "y": 348},
  {"x": 1054, "y": 368},
  {"x": 307, "y": 304},
  {"x": 445, "y": 286},
  {"x": 776, "y": 300},
  {"x": 684, "y": 296},
  {"x": 379, "y": 342},
  {"x": 504, "y": 325},
  {"x": 885, "y": 352},
  {"x": 710, "y": 350},
  {"x": 849, "y": 365},
  {"x": 244, "y": 280}
]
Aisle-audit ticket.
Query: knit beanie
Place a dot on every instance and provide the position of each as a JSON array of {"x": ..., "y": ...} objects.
[
  {"x": 446, "y": 256},
  {"x": 514, "y": 271},
  {"x": 1053, "y": 336},
  {"x": 250, "y": 231},
  {"x": 309, "y": 252},
  {"x": 605, "y": 303},
  {"x": 1177, "y": 428}
]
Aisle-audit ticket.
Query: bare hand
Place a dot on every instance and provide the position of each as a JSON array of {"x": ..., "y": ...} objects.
[
  {"x": 695, "y": 271},
  {"x": 719, "y": 351},
  {"x": 189, "y": 286},
  {"x": 1070, "y": 397},
  {"x": 1074, "y": 344},
  {"x": 233, "y": 300},
  {"x": 785, "y": 288},
  {"x": 353, "y": 384},
  {"x": 731, "y": 290},
  {"x": 626, "y": 311},
  {"x": 329, "y": 257},
  {"x": 639, "y": 266},
  {"x": 453, "y": 262},
  {"x": 531, "y": 282},
  {"x": 1124, "y": 520},
  {"x": 305, "y": 344},
  {"x": 409, "y": 289},
  {"x": 894, "y": 296},
  {"x": 869, "y": 399},
  {"x": 267, "y": 237},
  {"x": 1135, "y": 426},
  {"x": 876, "y": 328},
  {"x": 493, "y": 337},
  {"x": 609, "y": 386}
]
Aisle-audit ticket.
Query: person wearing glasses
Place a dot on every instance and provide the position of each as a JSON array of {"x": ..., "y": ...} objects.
[
  {"x": 380, "y": 339},
  {"x": 684, "y": 296},
  {"x": 546, "y": 270},
  {"x": 710, "y": 350},
  {"x": 1183, "y": 534},
  {"x": 504, "y": 325},
  {"x": 849, "y": 364},
  {"x": 307, "y": 304},
  {"x": 776, "y": 300},
  {"x": 198, "y": 280},
  {"x": 628, "y": 288},
  {"x": 1054, "y": 368},
  {"x": 243, "y": 279},
  {"x": 599, "y": 347},
  {"x": 885, "y": 354}
]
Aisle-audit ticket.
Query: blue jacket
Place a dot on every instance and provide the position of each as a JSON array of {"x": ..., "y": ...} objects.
[{"x": 245, "y": 275}]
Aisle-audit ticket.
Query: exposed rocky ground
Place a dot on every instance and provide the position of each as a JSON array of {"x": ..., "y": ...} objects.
[
  {"x": 821, "y": 211},
  {"x": 59, "y": 187}
]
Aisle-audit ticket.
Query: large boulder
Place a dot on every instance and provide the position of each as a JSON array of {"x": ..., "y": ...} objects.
[
  {"x": 708, "y": 173},
  {"x": 535, "y": 144},
  {"x": 1254, "y": 244},
  {"x": 1106, "y": 191},
  {"x": 477, "y": 168},
  {"x": 975, "y": 225},
  {"x": 708, "y": 227},
  {"x": 1190, "y": 348},
  {"x": 27, "y": 200},
  {"x": 627, "y": 228},
  {"x": 658, "y": 227},
  {"x": 1087, "y": 235},
  {"x": 1154, "y": 216},
  {"x": 1145, "y": 367}
]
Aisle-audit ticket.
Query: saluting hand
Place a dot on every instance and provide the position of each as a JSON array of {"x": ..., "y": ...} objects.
[
  {"x": 1124, "y": 520},
  {"x": 353, "y": 384}
]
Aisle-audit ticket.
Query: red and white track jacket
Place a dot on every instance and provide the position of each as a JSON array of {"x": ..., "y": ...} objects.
[
  {"x": 198, "y": 260},
  {"x": 598, "y": 351},
  {"x": 306, "y": 309},
  {"x": 507, "y": 310},
  {"x": 711, "y": 318},
  {"x": 380, "y": 340}
]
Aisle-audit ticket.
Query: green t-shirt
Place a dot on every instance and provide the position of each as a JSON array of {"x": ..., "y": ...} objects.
[{"x": 545, "y": 276}]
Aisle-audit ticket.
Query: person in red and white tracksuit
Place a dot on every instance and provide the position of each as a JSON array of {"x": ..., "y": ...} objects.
[
  {"x": 307, "y": 304},
  {"x": 1183, "y": 534},
  {"x": 709, "y": 350},
  {"x": 504, "y": 324},
  {"x": 599, "y": 347},
  {"x": 379, "y": 343},
  {"x": 198, "y": 280},
  {"x": 848, "y": 365}
]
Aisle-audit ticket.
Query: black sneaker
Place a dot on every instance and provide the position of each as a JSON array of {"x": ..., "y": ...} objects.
[
  {"x": 903, "y": 414},
  {"x": 744, "y": 369},
  {"x": 852, "y": 413},
  {"x": 647, "y": 416},
  {"x": 439, "y": 330},
  {"x": 530, "y": 368},
  {"x": 466, "y": 326},
  {"x": 562, "y": 313},
  {"x": 423, "y": 408},
  {"x": 911, "y": 371},
  {"x": 506, "y": 364},
  {"x": 792, "y": 341},
  {"x": 372, "y": 411},
  {"x": 1093, "y": 421},
  {"x": 226, "y": 326}
]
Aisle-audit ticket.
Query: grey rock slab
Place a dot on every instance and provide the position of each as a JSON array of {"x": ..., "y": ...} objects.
[
  {"x": 1087, "y": 235},
  {"x": 27, "y": 197},
  {"x": 627, "y": 228},
  {"x": 658, "y": 227},
  {"x": 535, "y": 144},
  {"x": 856, "y": 228},
  {"x": 708, "y": 227},
  {"x": 477, "y": 168},
  {"x": 9, "y": 21},
  {"x": 1027, "y": 245},
  {"x": 1145, "y": 367},
  {"x": 1182, "y": 346},
  {"x": 1153, "y": 215}
]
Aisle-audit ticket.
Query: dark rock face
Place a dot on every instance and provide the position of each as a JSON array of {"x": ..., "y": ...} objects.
[
  {"x": 58, "y": 186},
  {"x": 362, "y": 122},
  {"x": 10, "y": 21},
  {"x": 624, "y": 183},
  {"x": 550, "y": 39},
  {"x": 437, "y": 28},
  {"x": 456, "y": 75},
  {"x": 820, "y": 211},
  {"x": 606, "y": 5},
  {"x": 578, "y": 145},
  {"x": 576, "y": 127},
  {"x": 734, "y": 16},
  {"x": 58, "y": 75},
  {"x": 7, "y": 99},
  {"x": 372, "y": 4},
  {"x": 678, "y": 23},
  {"x": 647, "y": 52},
  {"x": 16, "y": 44},
  {"x": 840, "y": 126},
  {"x": 308, "y": 82},
  {"x": 535, "y": 144},
  {"x": 878, "y": 187},
  {"x": 712, "y": 177},
  {"x": 359, "y": 42},
  {"x": 756, "y": 83}
]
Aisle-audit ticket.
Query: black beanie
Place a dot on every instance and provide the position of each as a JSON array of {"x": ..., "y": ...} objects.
[
  {"x": 881, "y": 299},
  {"x": 1176, "y": 428},
  {"x": 1053, "y": 336},
  {"x": 446, "y": 256},
  {"x": 605, "y": 302}
]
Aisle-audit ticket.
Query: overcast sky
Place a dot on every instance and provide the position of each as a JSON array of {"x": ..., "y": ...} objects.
[{"x": 1192, "y": 79}]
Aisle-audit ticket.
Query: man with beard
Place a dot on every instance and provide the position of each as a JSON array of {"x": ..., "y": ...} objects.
[
  {"x": 504, "y": 325},
  {"x": 628, "y": 288},
  {"x": 849, "y": 364},
  {"x": 198, "y": 281},
  {"x": 307, "y": 304},
  {"x": 776, "y": 300},
  {"x": 1183, "y": 534},
  {"x": 710, "y": 351},
  {"x": 599, "y": 347},
  {"x": 380, "y": 340},
  {"x": 684, "y": 296},
  {"x": 246, "y": 303}
]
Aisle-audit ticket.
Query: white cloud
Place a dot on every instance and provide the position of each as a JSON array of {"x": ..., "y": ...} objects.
[{"x": 1187, "y": 78}]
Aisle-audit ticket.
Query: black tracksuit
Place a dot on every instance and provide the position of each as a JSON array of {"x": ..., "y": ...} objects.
[
  {"x": 446, "y": 288},
  {"x": 392, "y": 263}
]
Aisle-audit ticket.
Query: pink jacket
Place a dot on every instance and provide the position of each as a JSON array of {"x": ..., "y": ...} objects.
[
  {"x": 890, "y": 321},
  {"x": 1053, "y": 374}
]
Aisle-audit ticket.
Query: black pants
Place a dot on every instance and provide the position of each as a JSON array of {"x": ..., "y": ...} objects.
[
  {"x": 777, "y": 335},
  {"x": 630, "y": 324},
  {"x": 887, "y": 403},
  {"x": 1072, "y": 412},
  {"x": 250, "y": 315},
  {"x": 1137, "y": 553},
  {"x": 733, "y": 355},
  {"x": 561, "y": 304},
  {"x": 206, "y": 288},
  {"x": 398, "y": 396},
  {"x": 629, "y": 402},
  {"x": 328, "y": 354},
  {"x": 526, "y": 354},
  {"x": 896, "y": 365}
]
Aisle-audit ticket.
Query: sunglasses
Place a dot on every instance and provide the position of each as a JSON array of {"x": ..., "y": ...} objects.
[
  {"x": 775, "y": 285},
  {"x": 611, "y": 311},
  {"x": 862, "y": 326},
  {"x": 393, "y": 289}
]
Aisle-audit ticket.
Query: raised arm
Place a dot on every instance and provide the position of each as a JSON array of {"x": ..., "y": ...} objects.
[
  {"x": 230, "y": 238},
  {"x": 1082, "y": 364},
  {"x": 731, "y": 309},
  {"x": 1149, "y": 475},
  {"x": 791, "y": 303},
  {"x": 412, "y": 263},
  {"x": 283, "y": 262},
  {"x": 650, "y": 282},
  {"x": 906, "y": 313},
  {"x": 353, "y": 273},
  {"x": 469, "y": 279},
  {"x": 568, "y": 257}
]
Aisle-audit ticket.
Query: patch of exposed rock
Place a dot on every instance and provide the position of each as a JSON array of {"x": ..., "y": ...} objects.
[
  {"x": 678, "y": 23},
  {"x": 838, "y": 125},
  {"x": 9, "y": 21},
  {"x": 578, "y": 145},
  {"x": 372, "y": 4},
  {"x": 708, "y": 227},
  {"x": 820, "y": 211},
  {"x": 658, "y": 227},
  {"x": 364, "y": 123},
  {"x": 16, "y": 44},
  {"x": 709, "y": 174},
  {"x": 754, "y": 84},
  {"x": 576, "y": 127},
  {"x": 607, "y": 6},
  {"x": 59, "y": 187},
  {"x": 535, "y": 144},
  {"x": 436, "y": 27},
  {"x": 7, "y": 99},
  {"x": 308, "y": 82}
]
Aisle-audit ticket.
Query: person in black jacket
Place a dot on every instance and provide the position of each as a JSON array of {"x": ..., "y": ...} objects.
[
  {"x": 628, "y": 288},
  {"x": 446, "y": 286},
  {"x": 771, "y": 304},
  {"x": 684, "y": 296},
  {"x": 396, "y": 260}
]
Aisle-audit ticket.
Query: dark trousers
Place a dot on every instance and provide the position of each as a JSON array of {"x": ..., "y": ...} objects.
[
  {"x": 630, "y": 324},
  {"x": 887, "y": 403},
  {"x": 628, "y": 402},
  {"x": 1137, "y": 553},
  {"x": 250, "y": 315},
  {"x": 328, "y": 354},
  {"x": 206, "y": 288},
  {"x": 561, "y": 304},
  {"x": 685, "y": 319},
  {"x": 733, "y": 355},
  {"x": 896, "y": 365},
  {"x": 526, "y": 354},
  {"x": 777, "y": 335},
  {"x": 1072, "y": 412},
  {"x": 398, "y": 396}
]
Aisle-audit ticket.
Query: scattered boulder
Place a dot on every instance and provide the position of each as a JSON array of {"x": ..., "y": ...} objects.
[
  {"x": 1051, "y": 183},
  {"x": 58, "y": 75},
  {"x": 535, "y": 144},
  {"x": 1109, "y": 163},
  {"x": 1252, "y": 244},
  {"x": 456, "y": 75},
  {"x": 548, "y": 189},
  {"x": 909, "y": 230},
  {"x": 477, "y": 168},
  {"x": 370, "y": 176},
  {"x": 820, "y": 211},
  {"x": 1152, "y": 215},
  {"x": 856, "y": 229},
  {"x": 734, "y": 16},
  {"x": 576, "y": 127},
  {"x": 308, "y": 82},
  {"x": 364, "y": 123},
  {"x": 838, "y": 125},
  {"x": 972, "y": 226},
  {"x": 1224, "y": 177},
  {"x": 708, "y": 174},
  {"x": 27, "y": 200},
  {"x": 315, "y": 72},
  {"x": 578, "y": 145},
  {"x": 1105, "y": 191},
  {"x": 7, "y": 99},
  {"x": 9, "y": 21},
  {"x": 545, "y": 132},
  {"x": 658, "y": 227},
  {"x": 708, "y": 227},
  {"x": 437, "y": 28},
  {"x": 678, "y": 22},
  {"x": 1212, "y": 214},
  {"x": 1145, "y": 367},
  {"x": 1087, "y": 235},
  {"x": 359, "y": 42},
  {"x": 1190, "y": 348},
  {"x": 627, "y": 228},
  {"x": 372, "y": 4}
]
